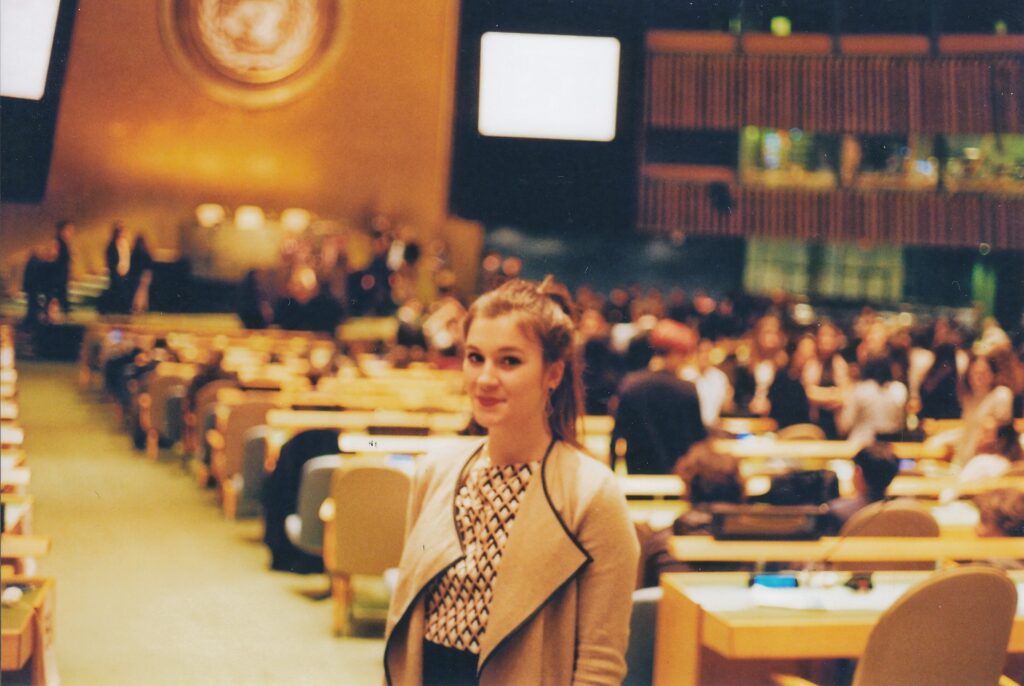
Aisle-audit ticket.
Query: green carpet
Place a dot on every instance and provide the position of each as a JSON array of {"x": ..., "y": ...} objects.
[{"x": 153, "y": 585}]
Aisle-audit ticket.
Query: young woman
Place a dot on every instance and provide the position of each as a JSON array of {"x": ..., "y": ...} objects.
[
  {"x": 982, "y": 396},
  {"x": 520, "y": 557},
  {"x": 876, "y": 405}
]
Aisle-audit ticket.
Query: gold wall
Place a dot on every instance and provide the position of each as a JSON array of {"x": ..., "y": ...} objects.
[{"x": 136, "y": 140}]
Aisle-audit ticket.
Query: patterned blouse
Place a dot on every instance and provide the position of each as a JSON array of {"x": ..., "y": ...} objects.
[{"x": 485, "y": 508}]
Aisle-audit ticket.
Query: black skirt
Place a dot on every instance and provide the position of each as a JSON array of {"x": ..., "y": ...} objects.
[{"x": 443, "y": 666}]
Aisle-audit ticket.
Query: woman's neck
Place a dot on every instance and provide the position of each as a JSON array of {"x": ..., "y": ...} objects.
[{"x": 519, "y": 445}]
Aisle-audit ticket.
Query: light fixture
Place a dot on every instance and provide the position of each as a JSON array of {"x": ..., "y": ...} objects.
[
  {"x": 296, "y": 220},
  {"x": 781, "y": 26},
  {"x": 210, "y": 214},
  {"x": 249, "y": 217}
]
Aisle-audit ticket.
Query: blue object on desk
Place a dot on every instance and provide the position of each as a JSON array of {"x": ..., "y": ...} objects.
[{"x": 774, "y": 580}]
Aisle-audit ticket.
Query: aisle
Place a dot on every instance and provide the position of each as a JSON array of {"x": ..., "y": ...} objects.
[{"x": 153, "y": 585}]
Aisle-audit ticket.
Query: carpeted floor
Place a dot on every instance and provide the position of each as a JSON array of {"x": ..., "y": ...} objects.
[{"x": 153, "y": 585}]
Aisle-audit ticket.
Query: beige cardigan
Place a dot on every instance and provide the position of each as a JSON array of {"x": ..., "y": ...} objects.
[{"x": 562, "y": 598}]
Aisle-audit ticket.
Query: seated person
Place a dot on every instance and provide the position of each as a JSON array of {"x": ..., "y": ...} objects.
[
  {"x": 874, "y": 469},
  {"x": 876, "y": 406},
  {"x": 999, "y": 451},
  {"x": 1001, "y": 512},
  {"x": 710, "y": 478}
]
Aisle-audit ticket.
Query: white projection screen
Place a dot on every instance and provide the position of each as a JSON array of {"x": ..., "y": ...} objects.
[
  {"x": 548, "y": 86},
  {"x": 26, "y": 39}
]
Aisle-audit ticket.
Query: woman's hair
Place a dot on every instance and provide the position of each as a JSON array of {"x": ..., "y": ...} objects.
[
  {"x": 710, "y": 476},
  {"x": 546, "y": 313},
  {"x": 965, "y": 380},
  {"x": 1002, "y": 509},
  {"x": 1007, "y": 443}
]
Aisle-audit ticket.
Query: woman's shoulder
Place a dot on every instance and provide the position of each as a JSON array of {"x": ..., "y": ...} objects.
[
  {"x": 581, "y": 476},
  {"x": 446, "y": 456}
]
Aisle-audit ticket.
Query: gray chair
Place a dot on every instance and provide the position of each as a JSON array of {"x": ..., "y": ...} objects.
[
  {"x": 254, "y": 456},
  {"x": 304, "y": 528},
  {"x": 642, "y": 629}
]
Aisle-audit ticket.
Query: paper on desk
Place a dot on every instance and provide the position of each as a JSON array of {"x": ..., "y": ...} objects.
[{"x": 833, "y": 599}]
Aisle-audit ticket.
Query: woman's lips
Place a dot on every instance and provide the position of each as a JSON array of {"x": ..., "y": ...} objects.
[{"x": 488, "y": 402}]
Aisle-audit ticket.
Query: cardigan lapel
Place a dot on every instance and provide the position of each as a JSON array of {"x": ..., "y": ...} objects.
[
  {"x": 539, "y": 557},
  {"x": 433, "y": 543}
]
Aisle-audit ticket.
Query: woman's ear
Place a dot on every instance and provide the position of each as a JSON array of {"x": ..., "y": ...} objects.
[{"x": 553, "y": 375}]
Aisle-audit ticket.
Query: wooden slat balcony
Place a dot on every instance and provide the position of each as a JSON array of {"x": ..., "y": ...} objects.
[
  {"x": 670, "y": 205},
  {"x": 693, "y": 88}
]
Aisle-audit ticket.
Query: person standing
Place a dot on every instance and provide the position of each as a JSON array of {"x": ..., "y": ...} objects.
[
  {"x": 658, "y": 414},
  {"x": 119, "y": 259},
  {"x": 520, "y": 558},
  {"x": 62, "y": 265}
]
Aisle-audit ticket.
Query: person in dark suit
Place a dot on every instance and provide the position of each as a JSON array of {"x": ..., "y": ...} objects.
[
  {"x": 117, "y": 299},
  {"x": 875, "y": 466},
  {"x": 658, "y": 413},
  {"x": 62, "y": 266}
]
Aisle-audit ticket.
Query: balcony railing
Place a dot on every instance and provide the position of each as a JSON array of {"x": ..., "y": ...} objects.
[
  {"x": 833, "y": 93},
  {"x": 671, "y": 205}
]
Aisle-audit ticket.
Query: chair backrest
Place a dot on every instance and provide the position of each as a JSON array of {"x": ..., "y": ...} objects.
[
  {"x": 801, "y": 432},
  {"x": 254, "y": 453},
  {"x": 161, "y": 390},
  {"x": 313, "y": 490},
  {"x": 952, "y": 628},
  {"x": 642, "y": 624},
  {"x": 242, "y": 417},
  {"x": 370, "y": 501},
  {"x": 903, "y": 517},
  {"x": 206, "y": 396}
]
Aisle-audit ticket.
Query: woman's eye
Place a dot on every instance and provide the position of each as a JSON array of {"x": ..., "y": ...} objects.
[
  {"x": 475, "y": 358},
  {"x": 511, "y": 361}
]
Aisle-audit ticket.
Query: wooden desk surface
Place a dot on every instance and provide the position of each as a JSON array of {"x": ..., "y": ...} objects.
[
  {"x": 17, "y": 513},
  {"x": 11, "y": 435},
  {"x": 766, "y": 448},
  {"x": 719, "y": 611},
  {"x": 402, "y": 445},
  {"x": 436, "y": 422},
  {"x": 941, "y": 487},
  {"x": 851, "y": 549},
  {"x": 11, "y": 458}
]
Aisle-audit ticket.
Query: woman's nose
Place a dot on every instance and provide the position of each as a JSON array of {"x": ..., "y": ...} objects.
[{"x": 486, "y": 377}]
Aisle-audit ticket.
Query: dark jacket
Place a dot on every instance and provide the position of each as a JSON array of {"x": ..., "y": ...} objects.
[{"x": 659, "y": 417}]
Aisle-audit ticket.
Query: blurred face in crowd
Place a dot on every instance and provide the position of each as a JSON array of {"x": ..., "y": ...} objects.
[
  {"x": 769, "y": 335},
  {"x": 829, "y": 340},
  {"x": 980, "y": 375},
  {"x": 505, "y": 375}
]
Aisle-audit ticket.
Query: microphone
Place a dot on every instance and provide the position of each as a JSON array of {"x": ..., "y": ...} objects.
[{"x": 826, "y": 558}]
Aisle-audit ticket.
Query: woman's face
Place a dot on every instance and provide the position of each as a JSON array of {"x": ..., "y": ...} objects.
[
  {"x": 505, "y": 375},
  {"x": 980, "y": 375},
  {"x": 828, "y": 341}
]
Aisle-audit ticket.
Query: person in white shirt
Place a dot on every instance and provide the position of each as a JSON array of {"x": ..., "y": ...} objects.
[
  {"x": 713, "y": 387},
  {"x": 982, "y": 397},
  {"x": 875, "y": 409}
]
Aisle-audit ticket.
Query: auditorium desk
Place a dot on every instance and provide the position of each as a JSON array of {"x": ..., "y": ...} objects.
[
  {"x": 852, "y": 549},
  {"x": 17, "y": 513},
  {"x": 28, "y": 630},
  {"x": 769, "y": 448},
  {"x": 718, "y": 611}
]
